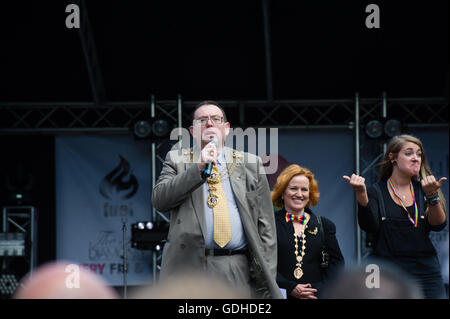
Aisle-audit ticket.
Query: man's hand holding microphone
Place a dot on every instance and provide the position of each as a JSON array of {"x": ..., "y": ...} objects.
[{"x": 208, "y": 157}]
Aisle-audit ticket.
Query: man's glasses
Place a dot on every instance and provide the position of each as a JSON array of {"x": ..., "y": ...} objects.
[{"x": 216, "y": 120}]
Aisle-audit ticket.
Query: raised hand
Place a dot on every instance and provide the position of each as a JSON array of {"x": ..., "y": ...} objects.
[
  {"x": 208, "y": 154},
  {"x": 358, "y": 183},
  {"x": 431, "y": 186}
]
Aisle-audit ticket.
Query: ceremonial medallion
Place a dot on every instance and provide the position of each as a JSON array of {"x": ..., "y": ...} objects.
[
  {"x": 212, "y": 200},
  {"x": 213, "y": 179},
  {"x": 298, "y": 273}
]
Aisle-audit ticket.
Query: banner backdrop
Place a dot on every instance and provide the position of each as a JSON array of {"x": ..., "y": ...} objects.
[{"x": 101, "y": 183}]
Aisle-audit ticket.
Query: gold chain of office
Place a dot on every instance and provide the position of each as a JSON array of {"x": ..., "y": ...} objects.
[{"x": 218, "y": 178}]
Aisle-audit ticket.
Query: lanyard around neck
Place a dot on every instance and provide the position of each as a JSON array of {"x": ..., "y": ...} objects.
[{"x": 416, "y": 210}]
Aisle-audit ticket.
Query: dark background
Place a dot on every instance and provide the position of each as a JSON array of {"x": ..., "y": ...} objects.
[
  {"x": 215, "y": 49},
  {"x": 208, "y": 50}
]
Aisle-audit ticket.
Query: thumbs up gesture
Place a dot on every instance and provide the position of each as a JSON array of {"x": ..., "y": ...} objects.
[
  {"x": 359, "y": 186},
  {"x": 431, "y": 186},
  {"x": 356, "y": 182}
]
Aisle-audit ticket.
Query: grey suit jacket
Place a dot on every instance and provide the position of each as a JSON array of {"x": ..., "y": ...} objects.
[{"x": 179, "y": 191}]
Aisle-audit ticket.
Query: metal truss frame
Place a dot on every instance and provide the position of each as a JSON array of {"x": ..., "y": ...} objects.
[
  {"x": 57, "y": 118},
  {"x": 19, "y": 219}
]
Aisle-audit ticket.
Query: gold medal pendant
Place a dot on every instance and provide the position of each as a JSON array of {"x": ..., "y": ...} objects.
[
  {"x": 298, "y": 273},
  {"x": 213, "y": 179},
  {"x": 212, "y": 200}
]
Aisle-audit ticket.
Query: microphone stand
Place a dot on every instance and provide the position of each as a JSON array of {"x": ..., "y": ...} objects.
[{"x": 124, "y": 229}]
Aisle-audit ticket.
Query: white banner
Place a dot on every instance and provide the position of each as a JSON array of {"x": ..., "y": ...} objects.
[{"x": 101, "y": 183}]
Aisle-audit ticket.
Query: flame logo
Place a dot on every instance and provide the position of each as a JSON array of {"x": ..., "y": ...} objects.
[{"x": 114, "y": 185}]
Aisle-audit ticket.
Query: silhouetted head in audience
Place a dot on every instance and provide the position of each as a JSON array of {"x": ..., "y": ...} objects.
[
  {"x": 63, "y": 280},
  {"x": 374, "y": 281},
  {"x": 190, "y": 285}
]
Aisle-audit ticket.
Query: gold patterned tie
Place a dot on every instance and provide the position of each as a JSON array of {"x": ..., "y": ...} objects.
[{"x": 222, "y": 224}]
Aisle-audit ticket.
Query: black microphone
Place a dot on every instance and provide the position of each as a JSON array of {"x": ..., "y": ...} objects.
[{"x": 207, "y": 172}]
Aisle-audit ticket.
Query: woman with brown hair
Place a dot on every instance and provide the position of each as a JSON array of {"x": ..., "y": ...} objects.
[
  {"x": 308, "y": 251},
  {"x": 401, "y": 209}
]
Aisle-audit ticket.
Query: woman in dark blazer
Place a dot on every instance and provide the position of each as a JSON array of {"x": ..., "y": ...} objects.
[{"x": 308, "y": 251}]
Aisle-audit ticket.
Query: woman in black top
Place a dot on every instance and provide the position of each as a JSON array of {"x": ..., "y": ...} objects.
[
  {"x": 303, "y": 238},
  {"x": 413, "y": 206}
]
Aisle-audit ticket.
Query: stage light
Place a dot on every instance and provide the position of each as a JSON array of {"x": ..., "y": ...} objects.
[
  {"x": 154, "y": 129},
  {"x": 383, "y": 128},
  {"x": 160, "y": 128},
  {"x": 12, "y": 244},
  {"x": 148, "y": 235},
  {"x": 374, "y": 129},
  {"x": 19, "y": 183},
  {"x": 392, "y": 127},
  {"x": 142, "y": 129}
]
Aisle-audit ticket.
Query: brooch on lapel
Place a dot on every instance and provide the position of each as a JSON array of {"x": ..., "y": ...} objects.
[
  {"x": 313, "y": 232},
  {"x": 188, "y": 156}
]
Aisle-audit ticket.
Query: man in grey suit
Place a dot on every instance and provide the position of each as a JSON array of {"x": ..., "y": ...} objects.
[{"x": 247, "y": 257}]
